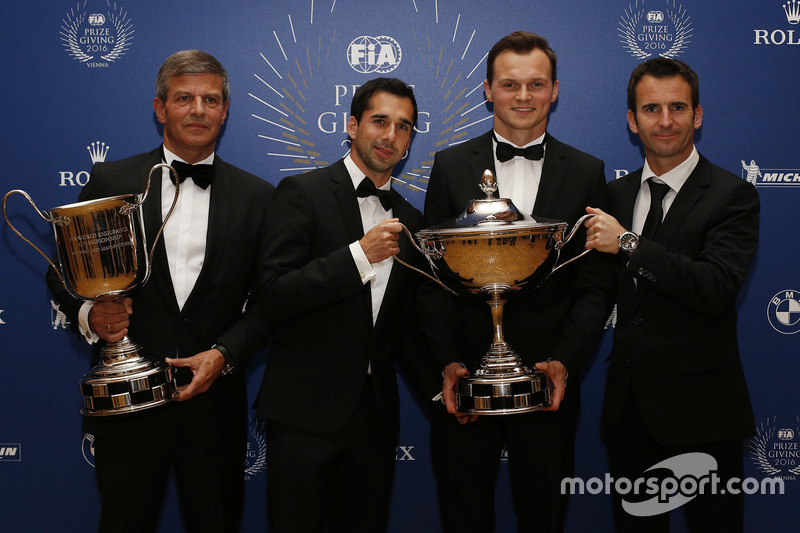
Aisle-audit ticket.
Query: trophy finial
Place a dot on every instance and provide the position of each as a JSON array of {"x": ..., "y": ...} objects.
[{"x": 488, "y": 184}]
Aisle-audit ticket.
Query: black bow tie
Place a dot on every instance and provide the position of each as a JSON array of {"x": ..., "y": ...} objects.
[
  {"x": 200, "y": 174},
  {"x": 368, "y": 188},
  {"x": 506, "y": 152}
]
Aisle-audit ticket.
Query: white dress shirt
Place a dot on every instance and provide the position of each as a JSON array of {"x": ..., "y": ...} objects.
[{"x": 187, "y": 229}]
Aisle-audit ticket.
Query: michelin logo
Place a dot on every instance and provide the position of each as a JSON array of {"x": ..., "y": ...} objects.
[{"x": 769, "y": 177}]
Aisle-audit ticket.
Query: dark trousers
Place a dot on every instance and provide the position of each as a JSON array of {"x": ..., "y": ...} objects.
[
  {"x": 466, "y": 459},
  {"x": 340, "y": 482},
  {"x": 132, "y": 476},
  {"x": 632, "y": 451}
]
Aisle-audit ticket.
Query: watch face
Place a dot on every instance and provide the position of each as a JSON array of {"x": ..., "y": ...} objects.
[{"x": 628, "y": 241}]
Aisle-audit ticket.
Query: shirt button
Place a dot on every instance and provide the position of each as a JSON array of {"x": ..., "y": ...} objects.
[{"x": 637, "y": 320}]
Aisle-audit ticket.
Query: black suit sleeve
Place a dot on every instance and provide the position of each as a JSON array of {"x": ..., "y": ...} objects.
[
  {"x": 250, "y": 332},
  {"x": 592, "y": 290},
  {"x": 706, "y": 281},
  {"x": 297, "y": 278}
]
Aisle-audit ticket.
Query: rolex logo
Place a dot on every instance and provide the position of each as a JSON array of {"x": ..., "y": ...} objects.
[
  {"x": 98, "y": 151},
  {"x": 792, "y": 10}
]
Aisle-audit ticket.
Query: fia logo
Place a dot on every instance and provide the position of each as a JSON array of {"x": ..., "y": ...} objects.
[
  {"x": 369, "y": 55},
  {"x": 96, "y": 35},
  {"x": 776, "y": 450},
  {"x": 779, "y": 36},
  {"x": 97, "y": 153},
  {"x": 783, "y": 312},
  {"x": 10, "y": 452},
  {"x": 645, "y": 32}
]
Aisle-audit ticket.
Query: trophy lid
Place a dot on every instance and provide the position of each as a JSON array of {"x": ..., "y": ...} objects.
[{"x": 490, "y": 215}]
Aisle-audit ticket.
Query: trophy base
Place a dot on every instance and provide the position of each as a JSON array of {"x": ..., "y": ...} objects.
[
  {"x": 134, "y": 385},
  {"x": 503, "y": 395}
]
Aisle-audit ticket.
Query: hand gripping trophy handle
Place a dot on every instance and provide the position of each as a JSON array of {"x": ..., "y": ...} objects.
[{"x": 103, "y": 256}]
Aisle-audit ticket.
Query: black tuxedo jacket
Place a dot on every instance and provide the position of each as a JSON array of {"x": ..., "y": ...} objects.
[
  {"x": 213, "y": 311},
  {"x": 675, "y": 342},
  {"x": 563, "y": 318},
  {"x": 324, "y": 337}
]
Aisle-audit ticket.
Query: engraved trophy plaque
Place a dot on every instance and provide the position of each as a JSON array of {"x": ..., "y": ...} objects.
[
  {"x": 493, "y": 249},
  {"x": 103, "y": 255}
]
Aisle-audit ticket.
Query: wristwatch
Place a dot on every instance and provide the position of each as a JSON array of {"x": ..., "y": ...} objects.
[
  {"x": 628, "y": 242},
  {"x": 229, "y": 367}
]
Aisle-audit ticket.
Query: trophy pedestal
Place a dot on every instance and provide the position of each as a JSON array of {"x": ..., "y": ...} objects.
[
  {"x": 125, "y": 382},
  {"x": 495, "y": 390},
  {"x": 502, "y": 385}
]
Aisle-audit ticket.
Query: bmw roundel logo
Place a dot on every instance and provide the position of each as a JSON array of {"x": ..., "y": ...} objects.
[{"x": 783, "y": 312}]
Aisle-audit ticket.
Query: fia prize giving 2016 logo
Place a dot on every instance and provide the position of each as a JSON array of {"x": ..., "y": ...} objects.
[
  {"x": 651, "y": 28},
  {"x": 96, "y": 33},
  {"x": 775, "y": 449}
]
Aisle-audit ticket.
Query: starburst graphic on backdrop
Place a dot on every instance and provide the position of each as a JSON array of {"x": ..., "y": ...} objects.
[{"x": 449, "y": 91}]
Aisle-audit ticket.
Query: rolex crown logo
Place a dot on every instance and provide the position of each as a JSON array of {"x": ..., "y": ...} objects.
[
  {"x": 98, "y": 151},
  {"x": 792, "y": 10}
]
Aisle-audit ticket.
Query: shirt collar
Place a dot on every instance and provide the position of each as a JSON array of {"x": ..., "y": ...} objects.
[
  {"x": 677, "y": 176},
  {"x": 538, "y": 140},
  {"x": 169, "y": 157},
  {"x": 356, "y": 175}
]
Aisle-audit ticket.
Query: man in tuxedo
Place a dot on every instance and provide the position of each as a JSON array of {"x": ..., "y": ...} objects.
[
  {"x": 189, "y": 313},
  {"x": 683, "y": 232},
  {"x": 342, "y": 312},
  {"x": 554, "y": 328}
]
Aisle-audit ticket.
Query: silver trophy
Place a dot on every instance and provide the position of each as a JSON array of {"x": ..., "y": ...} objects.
[
  {"x": 103, "y": 255},
  {"x": 493, "y": 249}
]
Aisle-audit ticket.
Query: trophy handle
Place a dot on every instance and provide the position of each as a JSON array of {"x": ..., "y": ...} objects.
[
  {"x": 46, "y": 216},
  {"x": 420, "y": 250},
  {"x": 572, "y": 232},
  {"x": 142, "y": 197}
]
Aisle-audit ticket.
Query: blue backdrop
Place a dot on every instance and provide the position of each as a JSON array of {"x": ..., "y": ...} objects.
[{"x": 80, "y": 76}]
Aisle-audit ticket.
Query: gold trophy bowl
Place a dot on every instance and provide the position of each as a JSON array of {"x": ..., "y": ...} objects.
[
  {"x": 103, "y": 255},
  {"x": 493, "y": 249}
]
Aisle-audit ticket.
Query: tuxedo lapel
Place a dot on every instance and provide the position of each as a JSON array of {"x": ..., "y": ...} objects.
[
  {"x": 402, "y": 210},
  {"x": 623, "y": 202},
  {"x": 151, "y": 211},
  {"x": 691, "y": 192},
  {"x": 552, "y": 179},
  {"x": 345, "y": 197},
  {"x": 629, "y": 190},
  {"x": 482, "y": 160}
]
